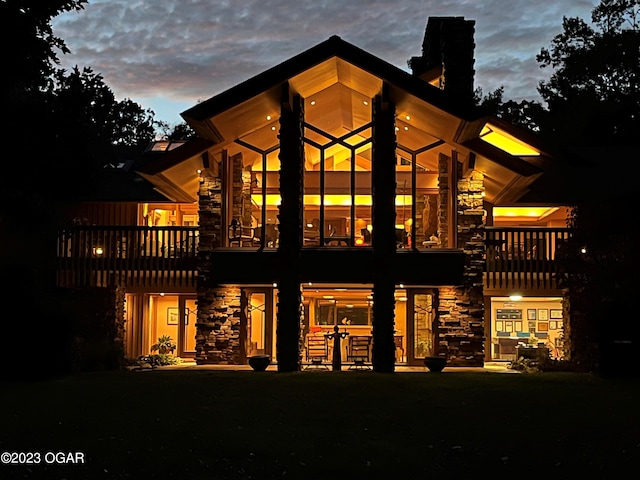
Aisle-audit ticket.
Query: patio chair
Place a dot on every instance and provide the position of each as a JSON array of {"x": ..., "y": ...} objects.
[
  {"x": 317, "y": 349},
  {"x": 359, "y": 352}
]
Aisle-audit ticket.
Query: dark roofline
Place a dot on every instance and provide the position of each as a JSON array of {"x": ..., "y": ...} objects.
[
  {"x": 160, "y": 161},
  {"x": 333, "y": 47}
]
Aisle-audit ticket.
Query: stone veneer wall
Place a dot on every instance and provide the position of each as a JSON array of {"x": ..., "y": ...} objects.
[
  {"x": 219, "y": 310},
  {"x": 218, "y": 332},
  {"x": 461, "y": 307}
]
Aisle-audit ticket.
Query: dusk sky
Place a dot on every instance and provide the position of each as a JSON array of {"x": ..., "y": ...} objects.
[{"x": 168, "y": 55}]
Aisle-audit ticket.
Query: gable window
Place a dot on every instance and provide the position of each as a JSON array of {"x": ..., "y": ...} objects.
[{"x": 337, "y": 175}]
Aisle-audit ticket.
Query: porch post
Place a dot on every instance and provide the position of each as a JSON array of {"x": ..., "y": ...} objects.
[
  {"x": 288, "y": 331},
  {"x": 383, "y": 238}
]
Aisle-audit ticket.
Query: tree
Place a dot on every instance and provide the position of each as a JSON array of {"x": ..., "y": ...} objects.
[
  {"x": 31, "y": 49},
  {"x": 593, "y": 94},
  {"x": 593, "y": 99},
  {"x": 527, "y": 113},
  {"x": 91, "y": 127},
  {"x": 63, "y": 127}
]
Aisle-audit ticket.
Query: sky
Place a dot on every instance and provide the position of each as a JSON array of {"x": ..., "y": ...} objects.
[{"x": 168, "y": 55}]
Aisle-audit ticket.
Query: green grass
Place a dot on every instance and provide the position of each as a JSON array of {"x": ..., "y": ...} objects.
[{"x": 324, "y": 425}]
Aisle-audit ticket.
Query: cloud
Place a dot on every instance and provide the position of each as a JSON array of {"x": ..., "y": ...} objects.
[{"x": 189, "y": 50}]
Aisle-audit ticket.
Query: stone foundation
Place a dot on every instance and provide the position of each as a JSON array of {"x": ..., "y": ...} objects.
[
  {"x": 218, "y": 329},
  {"x": 461, "y": 308}
]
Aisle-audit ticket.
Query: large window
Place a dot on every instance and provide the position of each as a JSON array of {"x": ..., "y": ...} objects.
[
  {"x": 337, "y": 176},
  {"x": 343, "y": 312}
]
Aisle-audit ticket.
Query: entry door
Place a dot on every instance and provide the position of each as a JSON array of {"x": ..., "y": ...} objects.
[
  {"x": 259, "y": 317},
  {"x": 422, "y": 332},
  {"x": 187, "y": 335}
]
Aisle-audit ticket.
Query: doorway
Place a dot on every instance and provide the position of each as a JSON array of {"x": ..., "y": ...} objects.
[
  {"x": 258, "y": 338},
  {"x": 422, "y": 327}
]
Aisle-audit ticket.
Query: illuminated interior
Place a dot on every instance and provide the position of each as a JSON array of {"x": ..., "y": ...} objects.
[
  {"x": 535, "y": 321},
  {"x": 504, "y": 141},
  {"x": 350, "y": 309}
]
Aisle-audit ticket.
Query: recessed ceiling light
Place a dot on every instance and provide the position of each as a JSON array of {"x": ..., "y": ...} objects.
[
  {"x": 365, "y": 102},
  {"x": 268, "y": 117},
  {"x": 273, "y": 128},
  {"x": 406, "y": 128},
  {"x": 313, "y": 102},
  {"x": 408, "y": 117}
]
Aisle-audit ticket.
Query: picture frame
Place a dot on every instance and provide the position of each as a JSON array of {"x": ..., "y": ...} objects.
[
  {"x": 517, "y": 325},
  {"x": 543, "y": 314},
  {"x": 500, "y": 325},
  {"x": 531, "y": 313},
  {"x": 508, "y": 326},
  {"x": 555, "y": 313},
  {"x": 172, "y": 316},
  {"x": 553, "y": 324},
  {"x": 543, "y": 326}
]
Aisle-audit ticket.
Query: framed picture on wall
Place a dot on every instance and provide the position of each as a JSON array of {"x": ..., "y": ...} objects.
[
  {"x": 531, "y": 313},
  {"x": 172, "y": 316},
  {"x": 500, "y": 326},
  {"x": 518, "y": 325},
  {"x": 543, "y": 326},
  {"x": 508, "y": 326},
  {"x": 555, "y": 313},
  {"x": 553, "y": 324},
  {"x": 543, "y": 314}
]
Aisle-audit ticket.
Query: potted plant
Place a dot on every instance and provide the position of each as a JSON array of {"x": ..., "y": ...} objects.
[
  {"x": 259, "y": 362},
  {"x": 165, "y": 345},
  {"x": 435, "y": 363}
]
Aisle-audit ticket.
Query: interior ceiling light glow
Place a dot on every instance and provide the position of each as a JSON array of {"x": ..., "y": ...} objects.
[
  {"x": 529, "y": 212},
  {"x": 268, "y": 117},
  {"x": 506, "y": 142}
]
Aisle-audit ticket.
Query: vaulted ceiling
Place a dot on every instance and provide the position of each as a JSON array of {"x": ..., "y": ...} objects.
[{"x": 338, "y": 82}]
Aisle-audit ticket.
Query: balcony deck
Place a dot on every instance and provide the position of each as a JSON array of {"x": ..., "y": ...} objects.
[
  {"x": 516, "y": 257},
  {"x": 135, "y": 256},
  {"x": 523, "y": 257}
]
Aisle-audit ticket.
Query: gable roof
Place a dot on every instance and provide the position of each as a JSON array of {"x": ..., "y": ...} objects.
[
  {"x": 332, "y": 47},
  {"x": 254, "y": 104}
]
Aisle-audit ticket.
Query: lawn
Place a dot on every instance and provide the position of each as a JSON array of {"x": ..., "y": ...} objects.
[{"x": 323, "y": 425}]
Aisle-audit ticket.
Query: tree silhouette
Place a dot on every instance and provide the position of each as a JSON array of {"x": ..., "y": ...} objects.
[{"x": 593, "y": 95}]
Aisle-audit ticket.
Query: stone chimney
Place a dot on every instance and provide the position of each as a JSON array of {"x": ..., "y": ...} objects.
[{"x": 447, "y": 58}]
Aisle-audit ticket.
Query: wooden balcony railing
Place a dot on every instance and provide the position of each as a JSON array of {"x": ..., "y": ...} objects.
[
  {"x": 142, "y": 256},
  {"x": 523, "y": 257},
  {"x": 99, "y": 255}
]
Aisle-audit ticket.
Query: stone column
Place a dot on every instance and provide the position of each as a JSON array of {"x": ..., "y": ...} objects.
[{"x": 461, "y": 308}]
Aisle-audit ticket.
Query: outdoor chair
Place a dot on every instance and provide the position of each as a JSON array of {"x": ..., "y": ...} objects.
[
  {"x": 317, "y": 349},
  {"x": 359, "y": 352}
]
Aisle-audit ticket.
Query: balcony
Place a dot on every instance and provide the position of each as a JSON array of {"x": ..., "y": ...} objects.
[
  {"x": 517, "y": 257},
  {"x": 136, "y": 256},
  {"x": 523, "y": 257}
]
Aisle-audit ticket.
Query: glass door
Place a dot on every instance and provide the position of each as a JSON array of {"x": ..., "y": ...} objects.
[
  {"x": 187, "y": 341},
  {"x": 422, "y": 328},
  {"x": 259, "y": 326}
]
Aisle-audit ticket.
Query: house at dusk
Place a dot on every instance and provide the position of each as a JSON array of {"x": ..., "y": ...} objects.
[{"x": 335, "y": 190}]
